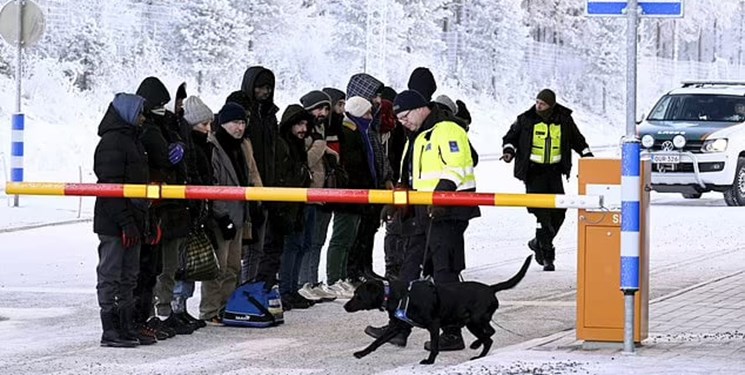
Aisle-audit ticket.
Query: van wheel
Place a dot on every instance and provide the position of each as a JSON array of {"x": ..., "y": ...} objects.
[
  {"x": 692, "y": 196},
  {"x": 735, "y": 195}
]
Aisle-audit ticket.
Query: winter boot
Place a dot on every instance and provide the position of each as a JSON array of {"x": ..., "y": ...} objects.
[
  {"x": 130, "y": 330},
  {"x": 110, "y": 337},
  {"x": 398, "y": 340},
  {"x": 533, "y": 245},
  {"x": 369, "y": 274},
  {"x": 178, "y": 325},
  {"x": 451, "y": 339},
  {"x": 550, "y": 255}
]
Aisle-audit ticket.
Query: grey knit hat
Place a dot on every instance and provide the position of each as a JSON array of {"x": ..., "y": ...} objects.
[
  {"x": 447, "y": 102},
  {"x": 196, "y": 112}
]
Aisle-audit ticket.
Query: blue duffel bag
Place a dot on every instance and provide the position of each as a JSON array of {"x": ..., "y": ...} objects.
[{"x": 251, "y": 305}]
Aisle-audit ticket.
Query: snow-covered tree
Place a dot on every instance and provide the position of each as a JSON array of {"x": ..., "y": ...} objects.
[
  {"x": 92, "y": 47},
  {"x": 494, "y": 41},
  {"x": 214, "y": 41}
]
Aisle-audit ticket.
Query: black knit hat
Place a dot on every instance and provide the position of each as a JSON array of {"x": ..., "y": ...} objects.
[
  {"x": 315, "y": 99},
  {"x": 231, "y": 112},
  {"x": 408, "y": 100},
  {"x": 423, "y": 82},
  {"x": 388, "y": 93},
  {"x": 547, "y": 96},
  {"x": 334, "y": 94}
]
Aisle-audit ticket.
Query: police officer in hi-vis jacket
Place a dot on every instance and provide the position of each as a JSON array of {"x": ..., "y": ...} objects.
[{"x": 540, "y": 141}]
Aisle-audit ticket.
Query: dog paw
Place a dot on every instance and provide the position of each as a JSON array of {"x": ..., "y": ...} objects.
[
  {"x": 426, "y": 362},
  {"x": 476, "y": 344},
  {"x": 359, "y": 354}
]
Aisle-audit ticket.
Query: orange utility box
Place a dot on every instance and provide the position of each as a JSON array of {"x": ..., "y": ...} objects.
[{"x": 600, "y": 302}]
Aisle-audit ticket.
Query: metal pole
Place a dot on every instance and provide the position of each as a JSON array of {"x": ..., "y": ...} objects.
[
  {"x": 630, "y": 185},
  {"x": 16, "y": 157}
]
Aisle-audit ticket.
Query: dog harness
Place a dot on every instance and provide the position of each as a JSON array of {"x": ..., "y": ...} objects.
[
  {"x": 402, "y": 311},
  {"x": 386, "y": 294}
]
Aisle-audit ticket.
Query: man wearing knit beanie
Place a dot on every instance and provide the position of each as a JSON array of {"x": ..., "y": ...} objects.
[
  {"x": 541, "y": 143},
  {"x": 438, "y": 158}
]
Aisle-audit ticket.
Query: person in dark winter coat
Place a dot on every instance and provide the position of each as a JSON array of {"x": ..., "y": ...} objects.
[
  {"x": 158, "y": 263},
  {"x": 197, "y": 119},
  {"x": 121, "y": 159},
  {"x": 541, "y": 141},
  {"x": 229, "y": 169},
  {"x": 293, "y": 171},
  {"x": 258, "y": 91}
]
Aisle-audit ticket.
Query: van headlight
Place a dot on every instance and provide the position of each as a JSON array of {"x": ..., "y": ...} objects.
[{"x": 714, "y": 145}]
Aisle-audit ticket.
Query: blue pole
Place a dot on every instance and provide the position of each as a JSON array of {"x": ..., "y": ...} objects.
[
  {"x": 630, "y": 214},
  {"x": 16, "y": 150}
]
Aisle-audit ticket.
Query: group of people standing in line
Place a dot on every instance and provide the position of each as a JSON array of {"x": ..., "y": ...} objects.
[{"x": 366, "y": 137}]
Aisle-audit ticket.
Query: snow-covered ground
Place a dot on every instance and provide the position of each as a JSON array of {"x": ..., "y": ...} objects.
[{"x": 49, "y": 321}]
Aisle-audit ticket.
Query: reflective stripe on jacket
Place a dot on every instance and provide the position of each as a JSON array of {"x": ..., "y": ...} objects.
[
  {"x": 442, "y": 153},
  {"x": 546, "y": 148}
]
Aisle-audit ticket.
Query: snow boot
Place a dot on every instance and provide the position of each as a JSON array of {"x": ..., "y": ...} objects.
[
  {"x": 451, "y": 339},
  {"x": 533, "y": 245},
  {"x": 398, "y": 340},
  {"x": 110, "y": 337}
]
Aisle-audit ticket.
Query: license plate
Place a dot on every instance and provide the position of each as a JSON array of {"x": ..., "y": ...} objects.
[{"x": 666, "y": 159}]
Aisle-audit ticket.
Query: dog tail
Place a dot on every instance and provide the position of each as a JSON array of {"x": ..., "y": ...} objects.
[{"x": 509, "y": 284}]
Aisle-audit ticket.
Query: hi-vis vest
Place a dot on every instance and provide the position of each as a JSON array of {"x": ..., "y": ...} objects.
[
  {"x": 546, "y": 147},
  {"x": 442, "y": 152}
]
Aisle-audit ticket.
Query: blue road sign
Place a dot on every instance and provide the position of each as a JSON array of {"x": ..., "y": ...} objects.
[{"x": 650, "y": 8}]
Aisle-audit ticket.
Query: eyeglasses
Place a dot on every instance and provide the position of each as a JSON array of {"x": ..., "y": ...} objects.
[{"x": 403, "y": 115}]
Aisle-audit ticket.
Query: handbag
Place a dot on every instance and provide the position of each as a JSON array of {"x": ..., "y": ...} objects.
[{"x": 197, "y": 258}]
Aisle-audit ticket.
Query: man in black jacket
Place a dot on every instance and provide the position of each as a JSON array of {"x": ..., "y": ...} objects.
[
  {"x": 158, "y": 264},
  {"x": 121, "y": 159},
  {"x": 541, "y": 141}
]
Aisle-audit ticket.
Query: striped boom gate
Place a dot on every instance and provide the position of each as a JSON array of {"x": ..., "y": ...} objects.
[{"x": 272, "y": 194}]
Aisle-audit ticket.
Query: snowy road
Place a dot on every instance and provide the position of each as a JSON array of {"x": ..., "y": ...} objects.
[{"x": 49, "y": 322}]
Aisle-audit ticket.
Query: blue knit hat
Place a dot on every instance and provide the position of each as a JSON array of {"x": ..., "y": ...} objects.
[
  {"x": 231, "y": 112},
  {"x": 408, "y": 100}
]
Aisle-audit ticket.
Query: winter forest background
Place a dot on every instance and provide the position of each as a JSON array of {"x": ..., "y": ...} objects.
[{"x": 493, "y": 54}]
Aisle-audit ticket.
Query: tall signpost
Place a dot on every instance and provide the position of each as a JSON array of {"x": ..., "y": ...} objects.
[
  {"x": 630, "y": 160},
  {"x": 21, "y": 25}
]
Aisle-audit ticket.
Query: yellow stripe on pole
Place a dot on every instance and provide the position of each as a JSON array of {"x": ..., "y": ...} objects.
[
  {"x": 277, "y": 194},
  {"x": 35, "y": 188},
  {"x": 135, "y": 191},
  {"x": 420, "y": 197},
  {"x": 173, "y": 192},
  {"x": 400, "y": 197},
  {"x": 525, "y": 200},
  {"x": 380, "y": 196}
]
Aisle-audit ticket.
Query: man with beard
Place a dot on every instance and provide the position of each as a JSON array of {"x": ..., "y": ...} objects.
[{"x": 541, "y": 141}]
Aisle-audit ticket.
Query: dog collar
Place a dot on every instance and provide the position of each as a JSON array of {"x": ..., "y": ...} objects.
[{"x": 386, "y": 293}]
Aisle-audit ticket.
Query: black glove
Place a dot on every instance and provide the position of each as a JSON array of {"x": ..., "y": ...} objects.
[
  {"x": 130, "y": 235},
  {"x": 227, "y": 228},
  {"x": 463, "y": 112},
  {"x": 507, "y": 154},
  {"x": 435, "y": 211}
]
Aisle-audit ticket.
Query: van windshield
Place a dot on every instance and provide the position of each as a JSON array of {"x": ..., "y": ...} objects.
[{"x": 699, "y": 107}]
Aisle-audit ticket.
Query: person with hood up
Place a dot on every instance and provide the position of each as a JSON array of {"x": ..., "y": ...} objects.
[
  {"x": 159, "y": 262},
  {"x": 120, "y": 159},
  {"x": 295, "y": 218},
  {"x": 229, "y": 169},
  {"x": 257, "y": 91},
  {"x": 541, "y": 141}
]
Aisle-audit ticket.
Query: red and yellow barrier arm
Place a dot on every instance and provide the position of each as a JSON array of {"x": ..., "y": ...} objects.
[{"x": 272, "y": 194}]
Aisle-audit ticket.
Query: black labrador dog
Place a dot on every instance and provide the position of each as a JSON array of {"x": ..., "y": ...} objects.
[{"x": 431, "y": 306}]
